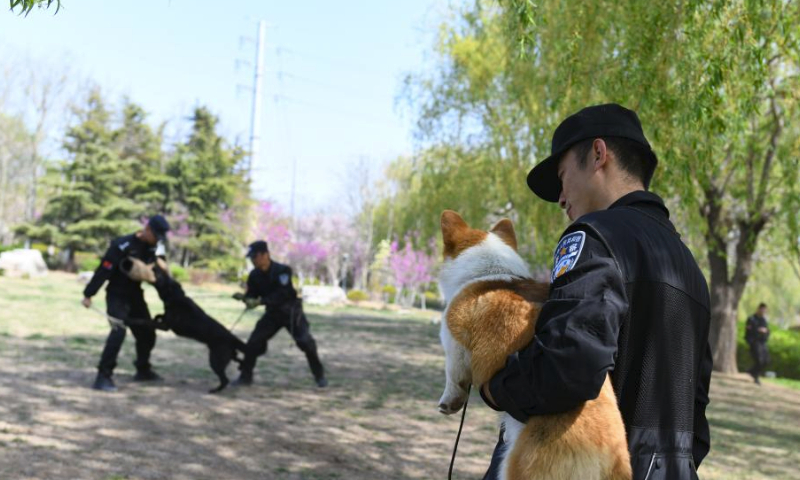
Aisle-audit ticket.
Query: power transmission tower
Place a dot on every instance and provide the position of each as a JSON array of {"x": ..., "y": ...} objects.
[{"x": 255, "y": 121}]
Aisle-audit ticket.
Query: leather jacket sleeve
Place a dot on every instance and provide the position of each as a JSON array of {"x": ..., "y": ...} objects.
[{"x": 575, "y": 342}]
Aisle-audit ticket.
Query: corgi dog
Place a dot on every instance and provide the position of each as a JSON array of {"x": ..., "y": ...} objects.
[{"x": 492, "y": 304}]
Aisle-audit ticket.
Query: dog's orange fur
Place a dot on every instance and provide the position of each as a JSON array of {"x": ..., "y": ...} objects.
[{"x": 494, "y": 319}]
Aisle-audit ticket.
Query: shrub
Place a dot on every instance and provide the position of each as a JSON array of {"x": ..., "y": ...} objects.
[
  {"x": 13, "y": 246},
  {"x": 432, "y": 301},
  {"x": 178, "y": 273},
  {"x": 226, "y": 267},
  {"x": 784, "y": 352},
  {"x": 357, "y": 296},
  {"x": 388, "y": 292},
  {"x": 199, "y": 276},
  {"x": 86, "y": 261}
]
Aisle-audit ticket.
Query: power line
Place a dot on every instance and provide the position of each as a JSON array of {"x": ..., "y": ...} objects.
[
  {"x": 338, "y": 62},
  {"x": 360, "y": 116},
  {"x": 339, "y": 88}
]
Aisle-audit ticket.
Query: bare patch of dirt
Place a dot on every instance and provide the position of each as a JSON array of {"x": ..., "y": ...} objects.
[{"x": 377, "y": 419}]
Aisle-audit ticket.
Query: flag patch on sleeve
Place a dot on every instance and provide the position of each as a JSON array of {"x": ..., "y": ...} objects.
[
  {"x": 567, "y": 253},
  {"x": 107, "y": 265}
]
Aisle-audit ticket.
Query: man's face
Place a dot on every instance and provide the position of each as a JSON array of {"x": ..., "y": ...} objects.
[
  {"x": 148, "y": 236},
  {"x": 577, "y": 197},
  {"x": 261, "y": 260},
  {"x": 762, "y": 311}
]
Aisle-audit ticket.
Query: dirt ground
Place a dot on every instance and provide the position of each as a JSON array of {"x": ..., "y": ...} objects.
[{"x": 376, "y": 420}]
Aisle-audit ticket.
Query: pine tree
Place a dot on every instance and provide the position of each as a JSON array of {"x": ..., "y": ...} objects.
[
  {"x": 210, "y": 188},
  {"x": 90, "y": 204}
]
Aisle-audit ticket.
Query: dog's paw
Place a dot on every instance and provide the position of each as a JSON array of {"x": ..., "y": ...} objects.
[{"x": 218, "y": 389}]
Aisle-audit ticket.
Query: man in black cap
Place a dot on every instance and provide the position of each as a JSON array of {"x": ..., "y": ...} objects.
[
  {"x": 270, "y": 284},
  {"x": 125, "y": 300},
  {"x": 627, "y": 299},
  {"x": 756, "y": 335}
]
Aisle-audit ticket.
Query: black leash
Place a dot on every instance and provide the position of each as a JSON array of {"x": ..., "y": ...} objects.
[
  {"x": 455, "y": 447},
  {"x": 239, "y": 318}
]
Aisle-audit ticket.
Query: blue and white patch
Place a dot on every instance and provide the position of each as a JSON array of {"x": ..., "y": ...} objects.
[
  {"x": 284, "y": 279},
  {"x": 567, "y": 253}
]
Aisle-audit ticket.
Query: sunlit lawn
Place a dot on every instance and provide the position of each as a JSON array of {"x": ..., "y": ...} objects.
[{"x": 377, "y": 420}]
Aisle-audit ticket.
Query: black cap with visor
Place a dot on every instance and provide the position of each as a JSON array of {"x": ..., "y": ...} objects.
[
  {"x": 597, "y": 121},
  {"x": 259, "y": 246}
]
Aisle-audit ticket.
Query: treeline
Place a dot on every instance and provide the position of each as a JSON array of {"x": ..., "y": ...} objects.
[
  {"x": 716, "y": 86},
  {"x": 118, "y": 170}
]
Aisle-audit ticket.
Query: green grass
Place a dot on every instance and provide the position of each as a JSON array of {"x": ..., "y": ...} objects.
[
  {"x": 377, "y": 420},
  {"x": 786, "y": 382}
]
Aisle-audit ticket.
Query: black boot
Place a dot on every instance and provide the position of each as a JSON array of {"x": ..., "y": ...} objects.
[
  {"x": 146, "y": 374},
  {"x": 321, "y": 382},
  {"x": 244, "y": 380},
  {"x": 104, "y": 383}
]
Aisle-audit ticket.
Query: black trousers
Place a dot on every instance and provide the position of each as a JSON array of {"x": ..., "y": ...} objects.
[
  {"x": 494, "y": 466},
  {"x": 125, "y": 307},
  {"x": 760, "y": 355},
  {"x": 292, "y": 318}
]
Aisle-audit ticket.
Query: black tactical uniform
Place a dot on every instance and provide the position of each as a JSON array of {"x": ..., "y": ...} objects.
[
  {"x": 125, "y": 301},
  {"x": 284, "y": 309},
  {"x": 628, "y": 299},
  {"x": 758, "y": 344}
]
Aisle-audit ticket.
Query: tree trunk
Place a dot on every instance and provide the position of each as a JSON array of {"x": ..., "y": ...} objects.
[
  {"x": 726, "y": 290},
  {"x": 722, "y": 335}
]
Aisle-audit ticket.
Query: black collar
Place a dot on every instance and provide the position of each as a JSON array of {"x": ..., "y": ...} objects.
[{"x": 641, "y": 199}]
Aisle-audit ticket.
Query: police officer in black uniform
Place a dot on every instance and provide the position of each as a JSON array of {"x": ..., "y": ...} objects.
[
  {"x": 756, "y": 335},
  {"x": 270, "y": 284},
  {"x": 125, "y": 300},
  {"x": 626, "y": 298}
]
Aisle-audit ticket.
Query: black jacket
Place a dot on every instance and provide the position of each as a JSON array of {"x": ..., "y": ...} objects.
[
  {"x": 751, "y": 333},
  {"x": 632, "y": 303},
  {"x": 274, "y": 286},
  {"x": 118, "y": 282}
]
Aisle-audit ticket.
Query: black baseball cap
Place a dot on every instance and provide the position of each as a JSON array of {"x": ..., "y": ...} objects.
[
  {"x": 259, "y": 246},
  {"x": 608, "y": 120},
  {"x": 159, "y": 226}
]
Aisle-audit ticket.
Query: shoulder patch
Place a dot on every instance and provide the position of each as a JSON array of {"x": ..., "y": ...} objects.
[
  {"x": 567, "y": 253},
  {"x": 123, "y": 246},
  {"x": 284, "y": 279}
]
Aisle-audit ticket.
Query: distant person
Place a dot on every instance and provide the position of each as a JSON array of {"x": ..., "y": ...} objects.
[
  {"x": 270, "y": 284},
  {"x": 756, "y": 334},
  {"x": 125, "y": 301}
]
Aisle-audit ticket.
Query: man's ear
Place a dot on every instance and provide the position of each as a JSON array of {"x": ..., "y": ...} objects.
[
  {"x": 505, "y": 230},
  {"x": 600, "y": 153}
]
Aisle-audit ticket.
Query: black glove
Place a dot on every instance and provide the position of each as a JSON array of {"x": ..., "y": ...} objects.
[
  {"x": 238, "y": 296},
  {"x": 251, "y": 302},
  {"x": 159, "y": 323}
]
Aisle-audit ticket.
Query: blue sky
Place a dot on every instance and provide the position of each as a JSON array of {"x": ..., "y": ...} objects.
[{"x": 334, "y": 71}]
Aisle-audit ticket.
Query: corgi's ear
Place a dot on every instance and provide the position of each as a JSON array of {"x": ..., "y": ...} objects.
[
  {"x": 452, "y": 224},
  {"x": 505, "y": 230}
]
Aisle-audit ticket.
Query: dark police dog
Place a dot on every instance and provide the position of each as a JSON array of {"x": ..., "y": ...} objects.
[{"x": 186, "y": 319}]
